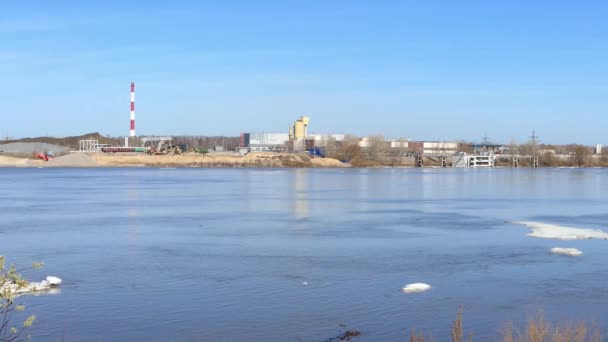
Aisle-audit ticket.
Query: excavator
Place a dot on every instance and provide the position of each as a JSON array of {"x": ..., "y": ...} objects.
[{"x": 45, "y": 156}]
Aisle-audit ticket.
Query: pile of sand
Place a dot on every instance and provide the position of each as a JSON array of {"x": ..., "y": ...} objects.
[
  {"x": 73, "y": 160},
  {"x": 260, "y": 159},
  {"x": 328, "y": 162},
  {"x": 18, "y": 162}
]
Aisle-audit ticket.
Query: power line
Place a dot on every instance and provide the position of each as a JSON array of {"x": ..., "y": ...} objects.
[{"x": 534, "y": 137}]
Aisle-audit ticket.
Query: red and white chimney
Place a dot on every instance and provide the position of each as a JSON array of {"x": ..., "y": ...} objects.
[{"x": 132, "y": 132}]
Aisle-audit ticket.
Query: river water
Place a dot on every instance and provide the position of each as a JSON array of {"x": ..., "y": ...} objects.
[{"x": 301, "y": 254}]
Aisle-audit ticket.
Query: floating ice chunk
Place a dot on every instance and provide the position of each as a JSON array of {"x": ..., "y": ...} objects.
[
  {"x": 304, "y": 283},
  {"x": 53, "y": 281},
  {"x": 566, "y": 251},
  {"x": 35, "y": 286},
  {"x": 552, "y": 231},
  {"x": 416, "y": 287}
]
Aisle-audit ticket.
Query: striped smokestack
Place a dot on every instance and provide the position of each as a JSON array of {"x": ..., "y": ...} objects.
[{"x": 132, "y": 133}]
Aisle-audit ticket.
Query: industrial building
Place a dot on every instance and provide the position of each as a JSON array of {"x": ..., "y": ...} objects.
[
  {"x": 398, "y": 143},
  {"x": 435, "y": 147},
  {"x": 259, "y": 142},
  {"x": 297, "y": 139},
  {"x": 321, "y": 140}
]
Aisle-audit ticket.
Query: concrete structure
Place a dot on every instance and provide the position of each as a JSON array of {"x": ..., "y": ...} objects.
[
  {"x": 598, "y": 149},
  {"x": 483, "y": 160},
  {"x": 89, "y": 146},
  {"x": 489, "y": 147},
  {"x": 163, "y": 142}
]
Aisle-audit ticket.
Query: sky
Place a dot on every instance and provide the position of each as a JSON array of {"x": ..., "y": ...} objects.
[{"x": 428, "y": 70}]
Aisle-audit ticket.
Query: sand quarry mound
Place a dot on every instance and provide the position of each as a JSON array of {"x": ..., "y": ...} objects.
[
  {"x": 261, "y": 159},
  {"x": 73, "y": 160},
  {"x": 251, "y": 160},
  {"x": 31, "y": 148}
]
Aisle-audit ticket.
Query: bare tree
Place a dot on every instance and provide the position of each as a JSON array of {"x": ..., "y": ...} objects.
[
  {"x": 330, "y": 146},
  {"x": 581, "y": 155},
  {"x": 402, "y": 148},
  {"x": 377, "y": 147},
  {"x": 547, "y": 159},
  {"x": 513, "y": 146},
  {"x": 350, "y": 149}
]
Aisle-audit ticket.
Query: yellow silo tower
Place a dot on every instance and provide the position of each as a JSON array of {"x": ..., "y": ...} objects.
[{"x": 300, "y": 128}]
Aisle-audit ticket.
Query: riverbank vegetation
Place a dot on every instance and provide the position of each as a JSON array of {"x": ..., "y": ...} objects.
[
  {"x": 378, "y": 152},
  {"x": 10, "y": 282},
  {"x": 536, "y": 329}
]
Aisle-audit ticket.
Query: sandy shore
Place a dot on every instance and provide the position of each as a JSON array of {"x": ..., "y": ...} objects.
[
  {"x": 6, "y": 161},
  {"x": 263, "y": 160}
]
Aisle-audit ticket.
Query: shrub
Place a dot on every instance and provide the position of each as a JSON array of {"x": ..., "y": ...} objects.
[{"x": 11, "y": 281}]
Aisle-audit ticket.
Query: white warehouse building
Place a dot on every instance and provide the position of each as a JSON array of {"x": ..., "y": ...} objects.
[
  {"x": 435, "y": 147},
  {"x": 267, "y": 141}
]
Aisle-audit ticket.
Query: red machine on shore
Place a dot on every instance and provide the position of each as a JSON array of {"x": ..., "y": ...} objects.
[{"x": 43, "y": 156}]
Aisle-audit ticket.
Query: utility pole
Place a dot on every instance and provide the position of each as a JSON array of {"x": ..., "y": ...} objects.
[
  {"x": 534, "y": 137},
  {"x": 534, "y": 142},
  {"x": 485, "y": 140}
]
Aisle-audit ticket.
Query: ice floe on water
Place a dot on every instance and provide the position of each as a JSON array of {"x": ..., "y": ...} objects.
[
  {"x": 566, "y": 251},
  {"x": 35, "y": 286},
  {"x": 416, "y": 287},
  {"x": 553, "y": 231}
]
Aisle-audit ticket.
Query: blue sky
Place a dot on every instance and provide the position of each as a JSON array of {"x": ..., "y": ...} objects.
[{"x": 426, "y": 69}]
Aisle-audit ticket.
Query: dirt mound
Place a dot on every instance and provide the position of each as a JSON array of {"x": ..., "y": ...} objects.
[
  {"x": 259, "y": 159},
  {"x": 30, "y": 148},
  {"x": 328, "y": 162},
  {"x": 69, "y": 142},
  {"x": 73, "y": 160}
]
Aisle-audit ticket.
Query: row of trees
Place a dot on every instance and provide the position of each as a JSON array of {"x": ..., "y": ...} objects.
[{"x": 379, "y": 152}]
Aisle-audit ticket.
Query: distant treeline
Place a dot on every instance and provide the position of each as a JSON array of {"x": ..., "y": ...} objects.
[{"x": 379, "y": 153}]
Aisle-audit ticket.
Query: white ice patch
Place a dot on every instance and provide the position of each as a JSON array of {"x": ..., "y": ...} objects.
[
  {"x": 416, "y": 287},
  {"x": 566, "y": 251},
  {"x": 47, "y": 284},
  {"x": 552, "y": 231}
]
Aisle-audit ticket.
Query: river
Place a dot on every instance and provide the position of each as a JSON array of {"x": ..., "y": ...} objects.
[{"x": 300, "y": 254}]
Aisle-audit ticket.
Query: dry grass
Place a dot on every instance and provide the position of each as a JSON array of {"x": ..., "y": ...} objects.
[
  {"x": 537, "y": 329},
  {"x": 457, "y": 327}
]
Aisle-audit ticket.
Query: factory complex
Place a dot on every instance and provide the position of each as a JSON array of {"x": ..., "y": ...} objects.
[{"x": 296, "y": 146}]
